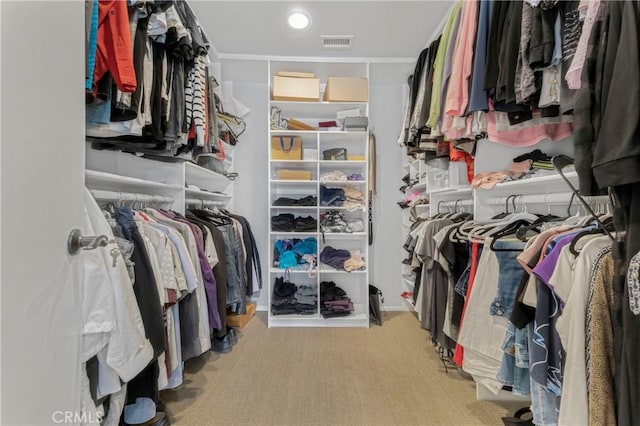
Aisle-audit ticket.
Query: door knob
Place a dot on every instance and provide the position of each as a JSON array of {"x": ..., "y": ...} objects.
[{"x": 77, "y": 242}]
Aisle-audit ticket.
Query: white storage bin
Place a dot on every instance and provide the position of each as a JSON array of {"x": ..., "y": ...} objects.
[
  {"x": 443, "y": 174},
  {"x": 309, "y": 154},
  {"x": 458, "y": 174},
  {"x": 437, "y": 174}
]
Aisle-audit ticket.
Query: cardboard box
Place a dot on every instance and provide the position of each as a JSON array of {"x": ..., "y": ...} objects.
[
  {"x": 296, "y": 74},
  {"x": 240, "y": 321},
  {"x": 286, "y": 148},
  {"x": 288, "y": 174},
  {"x": 295, "y": 89},
  {"x": 356, "y": 157},
  {"x": 346, "y": 89}
]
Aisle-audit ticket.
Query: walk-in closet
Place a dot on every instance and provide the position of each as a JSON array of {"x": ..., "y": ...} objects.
[{"x": 320, "y": 212}]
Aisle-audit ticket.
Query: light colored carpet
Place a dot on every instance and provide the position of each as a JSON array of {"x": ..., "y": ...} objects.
[{"x": 387, "y": 375}]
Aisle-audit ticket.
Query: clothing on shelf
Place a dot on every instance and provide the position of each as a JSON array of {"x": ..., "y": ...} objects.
[
  {"x": 342, "y": 260},
  {"x": 294, "y": 253},
  {"x": 334, "y": 301},
  {"x": 289, "y": 298},
  {"x": 305, "y": 201},
  {"x": 286, "y": 222}
]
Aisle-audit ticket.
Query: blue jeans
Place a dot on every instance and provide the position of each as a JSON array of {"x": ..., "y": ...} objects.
[
  {"x": 514, "y": 370},
  {"x": 510, "y": 275},
  {"x": 544, "y": 404}
]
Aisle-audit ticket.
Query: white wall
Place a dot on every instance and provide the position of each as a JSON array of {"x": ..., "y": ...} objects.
[
  {"x": 247, "y": 81},
  {"x": 385, "y": 115}
]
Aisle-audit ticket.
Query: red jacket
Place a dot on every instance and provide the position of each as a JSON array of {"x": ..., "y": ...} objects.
[{"x": 114, "y": 52}]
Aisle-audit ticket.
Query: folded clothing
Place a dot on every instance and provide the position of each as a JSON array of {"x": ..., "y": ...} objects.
[
  {"x": 331, "y": 196},
  {"x": 335, "y": 176},
  {"x": 355, "y": 262},
  {"x": 309, "y": 200},
  {"x": 288, "y": 253},
  {"x": 286, "y": 222},
  {"x": 288, "y": 298},
  {"x": 334, "y": 301},
  {"x": 342, "y": 259},
  {"x": 334, "y": 257}
]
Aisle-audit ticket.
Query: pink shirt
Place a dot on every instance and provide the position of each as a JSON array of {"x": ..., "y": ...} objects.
[
  {"x": 527, "y": 136},
  {"x": 574, "y": 73},
  {"x": 458, "y": 92}
]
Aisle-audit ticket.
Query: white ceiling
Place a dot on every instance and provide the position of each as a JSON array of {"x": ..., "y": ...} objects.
[{"x": 381, "y": 29}]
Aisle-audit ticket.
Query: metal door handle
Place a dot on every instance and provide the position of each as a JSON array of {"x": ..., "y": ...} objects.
[{"x": 77, "y": 242}]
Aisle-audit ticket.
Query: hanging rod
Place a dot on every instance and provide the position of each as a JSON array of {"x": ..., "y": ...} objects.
[
  {"x": 130, "y": 196},
  {"x": 561, "y": 198},
  {"x": 202, "y": 203}
]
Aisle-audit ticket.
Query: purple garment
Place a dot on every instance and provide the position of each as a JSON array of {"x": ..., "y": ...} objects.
[
  {"x": 545, "y": 357},
  {"x": 333, "y": 257},
  {"x": 544, "y": 270},
  {"x": 207, "y": 271}
]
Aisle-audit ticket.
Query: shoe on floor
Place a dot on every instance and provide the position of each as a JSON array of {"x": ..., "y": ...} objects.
[
  {"x": 233, "y": 335},
  {"x": 221, "y": 346}
]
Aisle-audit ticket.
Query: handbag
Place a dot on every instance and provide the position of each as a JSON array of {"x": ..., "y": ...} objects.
[
  {"x": 335, "y": 154},
  {"x": 375, "y": 304}
]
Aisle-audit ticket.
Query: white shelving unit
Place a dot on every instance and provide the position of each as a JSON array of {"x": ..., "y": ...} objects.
[
  {"x": 120, "y": 172},
  {"x": 354, "y": 283}
]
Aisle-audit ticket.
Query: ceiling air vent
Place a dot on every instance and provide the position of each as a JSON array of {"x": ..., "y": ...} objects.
[{"x": 336, "y": 41}]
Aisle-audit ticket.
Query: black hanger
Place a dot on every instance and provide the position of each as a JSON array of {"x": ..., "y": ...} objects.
[
  {"x": 506, "y": 212},
  {"x": 562, "y": 161},
  {"x": 510, "y": 229},
  {"x": 600, "y": 230}
]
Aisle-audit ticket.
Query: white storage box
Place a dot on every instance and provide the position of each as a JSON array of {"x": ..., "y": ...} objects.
[
  {"x": 443, "y": 174},
  {"x": 309, "y": 154}
]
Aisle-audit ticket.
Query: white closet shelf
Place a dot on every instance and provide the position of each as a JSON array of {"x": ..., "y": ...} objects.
[
  {"x": 341, "y": 208},
  {"x": 315, "y": 132},
  {"x": 329, "y": 270},
  {"x": 288, "y": 181},
  {"x": 316, "y": 109},
  {"x": 462, "y": 190},
  {"x": 112, "y": 182},
  {"x": 293, "y": 233},
  {"x": 205, "y": 179},
  {"x": 292, "y": 162},
  {"x": 359, "y": 318},
  {"x": 547, "y": 181},
  {"x": 349, "y": 182},
  {"x": 294, "y": 207},
  {"x": 293, "y": 271},
  {"x": 205, "y": 195},
  {"x": 341, "y": 162},
  {"x": 336, "y": 235}
]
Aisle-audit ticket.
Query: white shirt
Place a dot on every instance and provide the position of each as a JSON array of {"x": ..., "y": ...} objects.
[{"x": 572, "y": 329}]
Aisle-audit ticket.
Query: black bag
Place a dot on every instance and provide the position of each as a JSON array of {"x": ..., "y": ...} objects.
[
  {"x": 375, "y": 304},
  {"x": 335, "y": 154}
]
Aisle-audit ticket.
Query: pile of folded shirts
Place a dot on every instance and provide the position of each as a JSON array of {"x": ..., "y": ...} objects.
[
  {"x": 342, "y": 260},
  {"x": 338, "y": 176},
  {"x": 354, "y": 199},
  {"x": 309, "y": 200},
  {"x": 334, "y": 301},
  {"x": 286, "y": 222},
  {"x": 287, "y": 298}
]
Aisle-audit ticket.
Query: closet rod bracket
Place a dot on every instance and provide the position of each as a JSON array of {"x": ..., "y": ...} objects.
[{"x": 77, "y": 242}]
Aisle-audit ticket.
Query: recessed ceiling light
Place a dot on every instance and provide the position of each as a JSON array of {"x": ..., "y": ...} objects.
[{"x": 298, "y": 20}]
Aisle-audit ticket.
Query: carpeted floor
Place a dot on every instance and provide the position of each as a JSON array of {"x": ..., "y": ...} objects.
[{"x": 387, "y": 375}]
